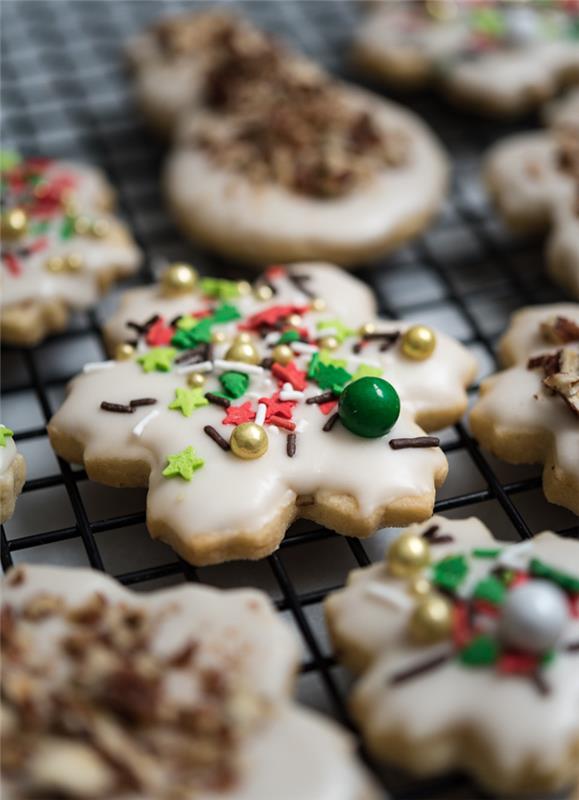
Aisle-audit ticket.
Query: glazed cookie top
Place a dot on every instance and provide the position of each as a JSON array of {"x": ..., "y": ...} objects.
[
  {"x": 189, "y": 674},
  {"x": 224, "y": 388},
  {"x": 461, "y": 632},
  {"x": 7, "y": 448},
  {"x": 59, "y": 241}
]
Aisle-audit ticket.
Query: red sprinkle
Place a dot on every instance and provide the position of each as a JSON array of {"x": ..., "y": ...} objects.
[
  {"x": 328, "y": 407},
  {"x": 236, "y": 415},
  {"x": 462, "y": 632},
  {"x": 515, "y": 663},
  {"x": 290, "y": 374},
  {"x": 270, "y": 317},
  {"x": 282, "y": 423},
  {"x": 159, "y": 334},
  {"x": 275, "y": 271},
  {"x": 277, "y": 407},
  {"x": 12, "y": 263}
]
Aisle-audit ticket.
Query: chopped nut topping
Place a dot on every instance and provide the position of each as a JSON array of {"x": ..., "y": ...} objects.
[
  {"x": 560, "y": 330},
  {"x": 106, "y": 713},
  {"x": 560, "y": 371},
  {"x": 188, "y": 33}
]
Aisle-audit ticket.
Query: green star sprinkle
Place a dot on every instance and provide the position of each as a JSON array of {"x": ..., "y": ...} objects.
[
  {"x": 234, "y": 383},
  {"x": 5, "y": 433},
  {"x": 219, "y": 288},
  {"x": 159, "y": 358},
  {"x": 367, "y": 371},
  {"x": 226, "y": 313},
  {"x": 341, "y": 331},
  {"x": 187, "y": 323},
  {"x": 480, "y": 652},
  {"x": 328, "y": 376},
  {"x": 327, "y": 358},
  {"x": 183, "y": 464},
  {"x": 490, "y": 589},
  {"x": 187, "y": 400},
  {"x": 200, "y": 334},
  {"x": 450, "y": 572}
]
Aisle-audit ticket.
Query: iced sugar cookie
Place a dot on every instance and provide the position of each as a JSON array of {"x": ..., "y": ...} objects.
[
  {"x": 468, "y": 650},
  {"x": 534, "y": 180},
  {"x": 181, "y": 693},
  {"x": 61, "y": 247},
  {"x": 499, "y": 58},
  {"x": 244, "y": 409},
  {"x": 529, "y": 412},
  {"x": 12, "y": 473},
  {"x": 279, "y": 162}
]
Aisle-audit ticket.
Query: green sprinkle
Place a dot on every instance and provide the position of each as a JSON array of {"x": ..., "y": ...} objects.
[
  {"x": 200, "y": 334},
  {"x": 450, "y": 572},
  {"x": 226, "y": 313},
  {"x": 9, "y": 159},
  {"x": 67, "y": 227},
  {"x": 326, "y": 357},
  {"x": 341, "y": 331},
  {"x": 367, "y": 371},
  {"x": 159, "y": 359},
  {"x": 541, "y": 570},
  {"x": 219, "y": 288},
  {"x": 313, "y": 366},
  {"x": 486, "y": 552},
  {"x": 234, "y": 383},
  {"x": 480, "y": 652},
  {"x": 183, "y": 464},
  {"x": 5, "y": 433},
  {"x": 187, "y": 323},
  {"x": 490, "y": 589},
  {"x": 187, "y": 400},
  {"x": 289, "y": 336}
]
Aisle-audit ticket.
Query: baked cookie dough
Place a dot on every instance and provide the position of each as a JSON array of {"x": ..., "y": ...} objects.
[
  {"x": 502, "y": 59},
  {"x": 534, "y": 181},
  {"x": 61, "y": 246},
  {"x": 529, "y": 412},
  {"x": 468, "y": 650},
  {"x": 12, "y": 473},
  {"x": 182, "y": 693},
  {"x": 244, "y": 409}
]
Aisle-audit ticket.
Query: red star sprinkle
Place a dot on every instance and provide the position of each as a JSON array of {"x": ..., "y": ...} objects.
[
  {"x": 270, "y": 317},
  {"x": 159, "y": 334},
  {"x": 290, "y": 374},
  {"x": 236, "y": 415},
  {"x": 327, "y": 408},
  {"x": 275, "y": 271},
  {"x": 517, "y": 663},
  {"x": 275, "y": 406}
]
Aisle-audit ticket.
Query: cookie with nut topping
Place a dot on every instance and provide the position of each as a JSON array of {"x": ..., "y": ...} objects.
[
  {"x": 466, "y": 650},
  {"x": 12, "y": 473},
  {"x": 244, "y": 408},
  {"x": 61, "y": 245},
  {"x": 529, "y": 412},
  {"x": 180, "y": 693}
]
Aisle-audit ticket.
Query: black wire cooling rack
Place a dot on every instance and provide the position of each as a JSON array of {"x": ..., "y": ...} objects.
[{"x": 65, "y": 93}]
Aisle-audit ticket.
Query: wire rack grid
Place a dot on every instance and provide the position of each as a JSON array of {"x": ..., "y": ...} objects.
[{"x": 65, "y": 93}]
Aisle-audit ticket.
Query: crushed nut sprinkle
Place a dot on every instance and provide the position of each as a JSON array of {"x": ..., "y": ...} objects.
[
  {"x": 560, "y": 374},
  {"x": 279, "y": 118},
  {"x": 560, "y": 330},
  {"x": 101, "y": 716}
]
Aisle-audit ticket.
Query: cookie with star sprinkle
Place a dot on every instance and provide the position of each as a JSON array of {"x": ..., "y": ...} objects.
[
  {"x": 495, "y": 58},
  {"x": 180, "y": 693},
  {"x": 245, "y": 408},
  {"x": 529, "y": 412},
  {"x": 61, "y": 246},
  {"x": 12, "y": 473},
  {"x": 534, "y": 181},
  {"x": 467, "y": 655}
]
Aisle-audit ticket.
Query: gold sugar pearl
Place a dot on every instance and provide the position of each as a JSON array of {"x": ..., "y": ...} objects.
[
  {"x": 442, "y": 10},
  {"x": 419, "y": 586},
  {"x": 418, "y": 342},
  {"x": 243, "y": 288},
  {"x": 329, "y": 343},
  {"x": 196, "y": 380},
  {"x": 407, "y": 555},
  {"x": 179, "y": 279},
  {"x": 82, "y": 226},
  {"x": 294, "y": 320},
  {"x": 246, "y": 352},
  {"x": 100, "y": 228},
  {"x": 249, "y": 441},
  {"x": 264, "y": 293},
  {"x": 243, "y": 338},
  {"x": 124, "y": 351},
  {"x": 73, "y": 262},
  {"x": 318, "y": 304},
  {"x": 367, "y": 329},
  {"x": 431, "y": 621},
  {"x": 13, "y": 224},
  {"x": 55, "y": 264},
  {"x": 218, "y": 337},
  {"x": 282, "y": 354}
]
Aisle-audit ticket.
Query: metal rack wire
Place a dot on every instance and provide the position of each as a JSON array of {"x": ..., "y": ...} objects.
[{"x": 65, "y": 94}]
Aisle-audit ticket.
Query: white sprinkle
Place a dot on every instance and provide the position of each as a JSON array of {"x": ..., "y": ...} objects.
[
  {"x": 260, "y": 413},
  {"x": 392, "y": 596},
  {"x": 302, "y": 425},
  {"x": 140, "y": 426},
  {"x": 290, "y": 394},
  {"x": 202, "y": 366},
  {"x": 302, "y": 347},
  {"x": 272, "y": 338},
  {"x": 516, "y": 556},
  {"x": 237, "y": 366},
  {"x": 362, "y": 360},
  {"x": 93, "y": 366}
]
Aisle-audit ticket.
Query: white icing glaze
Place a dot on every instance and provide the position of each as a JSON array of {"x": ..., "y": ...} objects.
[
  {"x": 228, "y": 205},
  {"x": 7, "y": 453},
  {"x": 100, "y": 255},
  {"x": 325, "y": 462},
  {"x": 293, "y": 753},
  {"x": 515, "y": 399},
  {"x": 515, "y": 723}
]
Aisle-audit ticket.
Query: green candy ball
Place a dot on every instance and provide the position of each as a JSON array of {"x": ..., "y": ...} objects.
[{"x": 369, "y": 407}]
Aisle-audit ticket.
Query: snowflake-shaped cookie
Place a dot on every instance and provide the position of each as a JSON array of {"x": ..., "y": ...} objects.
[
  {"x": 469, "y": 654},
  {"x": 529, "y": 413},
  {"x": 534, "y": 180},
  {"x": 12, "y": 473},
  {"x": 243, "y": 410},
  {"x": 61, "y": 247},
  {"x": 180, "y": 693},
  {"x": 500, "y": 58}
]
